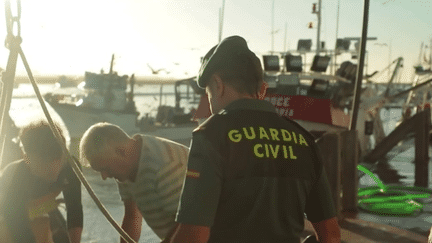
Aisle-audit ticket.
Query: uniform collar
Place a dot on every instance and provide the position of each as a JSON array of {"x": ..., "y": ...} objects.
[{"x": 250, "y": 104}]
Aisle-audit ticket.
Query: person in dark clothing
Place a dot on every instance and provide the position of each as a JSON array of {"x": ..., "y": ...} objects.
[
  {"x": 29, "y": 190},
  {"x": 252, "y": 175}
]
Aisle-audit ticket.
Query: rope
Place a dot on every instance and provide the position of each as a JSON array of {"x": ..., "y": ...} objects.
[
  {"x": 391, "y": 200},
  {"x": 12, "y": 42}
]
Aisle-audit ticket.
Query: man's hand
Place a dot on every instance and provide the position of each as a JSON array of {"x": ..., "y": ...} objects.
[
  {"x": 190, "y": 234},
  {"x": 42, "y": 230},
  {"x": 328, "y": 231},
  {"x": 132, "y": 220},
  {"x": 75, "y": 235},
  {"x": 430, "y": 236},
  {"x": 170, "y": 234}
]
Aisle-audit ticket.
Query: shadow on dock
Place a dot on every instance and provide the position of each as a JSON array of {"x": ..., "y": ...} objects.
[{"x": 358, "y": 230}]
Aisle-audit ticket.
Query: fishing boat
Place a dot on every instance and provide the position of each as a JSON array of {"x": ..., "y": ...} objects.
[
  {"x": 314, "y": 99},
  {"x": 65, "y": 82},
  {"x": 99, "y": 98},
  {"x": 105, "y": 97},
  {"x": 302, "y": 89},
  {"x": 308, "y": 94},
  {"x": 175, "y": 121}
]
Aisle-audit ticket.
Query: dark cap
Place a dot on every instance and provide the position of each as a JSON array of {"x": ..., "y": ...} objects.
[{"x": 225, "y": 53}]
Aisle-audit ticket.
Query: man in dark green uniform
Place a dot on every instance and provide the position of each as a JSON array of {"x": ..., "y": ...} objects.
[{"x": 252, "y": 175}]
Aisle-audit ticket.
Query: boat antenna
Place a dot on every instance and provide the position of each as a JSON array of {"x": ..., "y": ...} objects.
[
  {"x": 285, "y": 37},
  {"x": 221, "y": 20},
  {"x": 318, "y": 13},
  {"x": 358, "y": 82},
  {"x": 272, "y": 30},
  {"x": 333, "y": 67},
  {"x": 420, "y": 54},
  {"x": 112, "y": 64},
  {"x": 430, "y": 54}
]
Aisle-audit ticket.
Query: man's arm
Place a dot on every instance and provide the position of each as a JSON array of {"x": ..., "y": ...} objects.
[
  {"x": 170, "y": 234},
  {"x": 430, "y": 236},
  {"x": 42, "y": 230},
  {"x": 188, "y": 233},
  {"x": 73, "y": 199},
  {"x": 320, "y": 209},
  {"x": 13, "y": 202},
  {"x": 327, "y": 231},
  {"x": 132, "y": 220},
  {"x": 75, "y": 234},
  {"x": 197, "y": 208}
]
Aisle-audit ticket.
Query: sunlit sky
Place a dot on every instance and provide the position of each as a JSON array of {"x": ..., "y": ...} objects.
[{"x": 70, "y": 37}]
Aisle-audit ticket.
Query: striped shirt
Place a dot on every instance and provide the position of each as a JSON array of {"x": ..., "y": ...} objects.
[{"x": 159, "y": 181}]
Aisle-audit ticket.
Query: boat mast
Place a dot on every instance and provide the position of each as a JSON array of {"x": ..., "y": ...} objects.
[
  {"x": 221, "y": 17},
  {"x": 319, "y": 26},
  {"x": 358, "y": 83},
  {"x": 112, "y": 64},
  {"x": 420, "y": 54},
  {"x": 285, "y": 39},
  {"x": 430, "y": 55},
  {"x": 337, "y": 32},
  {"x": 272, "y": 30}
]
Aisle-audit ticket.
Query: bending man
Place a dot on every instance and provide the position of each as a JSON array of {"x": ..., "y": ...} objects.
[{"x": 149, "y": 171}]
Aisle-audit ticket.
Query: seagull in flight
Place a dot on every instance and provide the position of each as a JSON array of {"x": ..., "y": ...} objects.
[{"x": 156, "y": 71}]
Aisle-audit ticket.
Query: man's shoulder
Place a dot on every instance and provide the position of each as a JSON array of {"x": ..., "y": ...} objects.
[
  {"x": 12, "y": 176},
  {"x": 159, "y": 141},
  {"x": 12, "y": 168},
  {"x": 215, "y": 120},
  {"x": 299, "y": 127}
]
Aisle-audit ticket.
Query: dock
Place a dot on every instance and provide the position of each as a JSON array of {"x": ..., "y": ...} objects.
[
  {"x": 355, "y": 230},
  {"x": 341, "y": 157}
]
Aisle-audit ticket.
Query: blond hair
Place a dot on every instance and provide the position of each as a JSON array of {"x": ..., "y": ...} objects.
[{"x": 98, "y": 138}]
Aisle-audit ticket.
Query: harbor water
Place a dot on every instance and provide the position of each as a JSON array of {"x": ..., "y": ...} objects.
[{"x": 25, "y": 106}]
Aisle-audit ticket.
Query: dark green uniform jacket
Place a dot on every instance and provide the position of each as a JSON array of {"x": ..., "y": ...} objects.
[{"x": 252, "y": 175}]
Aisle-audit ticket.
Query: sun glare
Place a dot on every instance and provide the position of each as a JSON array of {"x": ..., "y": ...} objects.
[{"x": 70, "y": 37}]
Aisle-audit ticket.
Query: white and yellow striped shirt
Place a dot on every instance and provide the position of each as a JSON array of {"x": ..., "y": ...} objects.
[{"x": 159, "y": 181}]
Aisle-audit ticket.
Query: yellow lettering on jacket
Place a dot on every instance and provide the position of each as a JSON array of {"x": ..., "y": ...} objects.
[
  {"x": 256, "y": 152},
  {"x": 281, "y": 142},
  {"x": 291, "y": 153},
  {"x": 266, "y": 148},
  {"x": 274, "y": 150},
  {"x": 302, "y": 140},
  {"x": 263, "y": 133},
  {"x": 294, "y": 137},
  {"x": 234, "y": 136},
  {"x": 286, "y": 135},
  {"x": 251, "y": 135},
  {"x": 274, "y": 134}
]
